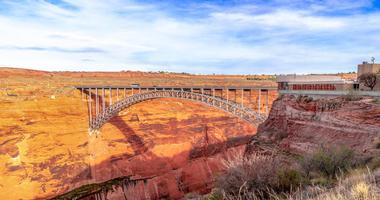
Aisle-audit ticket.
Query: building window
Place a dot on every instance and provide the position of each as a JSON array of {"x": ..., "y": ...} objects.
[{"x": 356, "y": 86}]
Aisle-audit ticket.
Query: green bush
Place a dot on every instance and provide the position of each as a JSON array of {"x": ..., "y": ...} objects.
[
  {"x": 322, "y": 181},
  {"x": 374, "y": 163},
  {"x": 215, "y": 194},
  {"x": 352, "y": 96},
  {"x": 290, "y": 179},
  {"x": 328, "y": 161},
  {"x": 192, "y": 196},
  {"x": 376, "y": 100}
]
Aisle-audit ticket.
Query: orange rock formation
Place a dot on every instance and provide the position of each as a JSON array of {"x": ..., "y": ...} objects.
[{"x": 45, "y": 148}]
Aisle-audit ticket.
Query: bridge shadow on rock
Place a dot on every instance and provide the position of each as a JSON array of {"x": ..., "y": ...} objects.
[
  {"x": 132, "y": 138},
  {"x": 136, "y": 142}
]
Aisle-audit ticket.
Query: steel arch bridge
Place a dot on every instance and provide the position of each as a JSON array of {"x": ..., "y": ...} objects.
[{"x": 102, "y": 113}]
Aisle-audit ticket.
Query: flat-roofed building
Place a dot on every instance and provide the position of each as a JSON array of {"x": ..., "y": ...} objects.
[
  {"x": 329, "y": 82},
  {"x": 313, "y": 82},
  {"x": 366, "y": 67}
]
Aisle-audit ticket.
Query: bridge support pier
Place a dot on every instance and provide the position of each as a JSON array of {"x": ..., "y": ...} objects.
[
  {"x": 259, "y": 102},
  {"x": 117, "y": 94},
  {"x": 103, "y": 101},
  {"x": 267, "y": 103},
  {"x": 82, "y": 94},
  {"x": 96, "y": 102},
  {"x": 242, "y": 97},
  {"x": 110, "y": 96},
  {"x": 89, "y": 107}
]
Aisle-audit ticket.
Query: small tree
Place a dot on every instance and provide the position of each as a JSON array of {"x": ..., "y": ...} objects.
[{"x": 368, "y": 80}]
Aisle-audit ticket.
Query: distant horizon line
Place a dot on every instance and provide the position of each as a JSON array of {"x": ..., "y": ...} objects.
[{"x": 171, "y": 72}]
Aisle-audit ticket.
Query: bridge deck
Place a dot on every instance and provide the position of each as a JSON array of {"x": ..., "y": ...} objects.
[{"x": 177, "y": 87}]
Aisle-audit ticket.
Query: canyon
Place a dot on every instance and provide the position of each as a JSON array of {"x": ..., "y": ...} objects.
[
  {"x": 167, "y": 147},
  {"x": 176, "y": 145}
]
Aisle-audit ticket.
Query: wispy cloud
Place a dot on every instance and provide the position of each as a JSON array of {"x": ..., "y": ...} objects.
[
  {"x": 248, "y": 36},
  {"x": 55, "y": 49}
]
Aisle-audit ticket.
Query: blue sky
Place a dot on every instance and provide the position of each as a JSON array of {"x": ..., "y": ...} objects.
[{"x": 214, "y": 36}]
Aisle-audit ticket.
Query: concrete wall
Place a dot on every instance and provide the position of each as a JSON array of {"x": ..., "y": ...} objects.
[
  {"x": 344, "y": 86},
  {"x": 368, "y": 68},
  {"x": 330, "y": 93}
]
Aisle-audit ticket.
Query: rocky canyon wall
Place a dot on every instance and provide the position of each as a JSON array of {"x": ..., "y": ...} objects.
[
  {"x": 46, "y": 149},
  {"x": 302, "y": 124}
]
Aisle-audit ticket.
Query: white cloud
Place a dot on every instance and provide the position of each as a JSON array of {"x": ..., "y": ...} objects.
[
  {"x": 122, "y": 35},
  {"x": 282, "y": 19}
]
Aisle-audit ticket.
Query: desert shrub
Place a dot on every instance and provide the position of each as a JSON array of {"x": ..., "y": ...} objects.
[
  {"x": 290, "y": 179},
  {"x": 192, "y": 196},
  {"x": 322, "y": 181},
  {"x": 215, "y": 194},
  {"x": 357, "y": 186},
  {"x": 352, "y": 96},
  {"x": 329, "y": 105},
  {"x": 252, "y": 173},
  {"x": 280, "y": 135},
  {"x": 304, "y": 99},
  {"x": 374, "y": 163},
  {"x": 328, "y": 161},
  {"x": 378, "y": 145}
]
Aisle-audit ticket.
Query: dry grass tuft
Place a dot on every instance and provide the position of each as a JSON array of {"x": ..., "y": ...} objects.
[
  {"x": 357, "y": 186},
  {"x": 260, "y": 176}
]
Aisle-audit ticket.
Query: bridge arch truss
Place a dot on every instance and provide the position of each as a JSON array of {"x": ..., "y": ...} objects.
[{"x": 100, "y": 113}]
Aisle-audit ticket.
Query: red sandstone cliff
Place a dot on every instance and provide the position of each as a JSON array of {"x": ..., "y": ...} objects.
[
  {"x": 302, "y": 124},
  {"x": 45, "y": 148}
]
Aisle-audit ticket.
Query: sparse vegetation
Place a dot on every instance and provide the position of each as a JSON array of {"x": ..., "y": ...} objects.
[
  {"x": 290, "y": 179},
  {"x": 374, "y": 163},
  {"x": 325, "y": 174},
  {"x": 304, "y": 99},
  {"x": 254, "y": 172},
  {"x": 261, "y": 78},
  {"x": 376, "y": 100},
  {"x": 358, "y": 185},
  {"x": 328, "y": 162},
  {"x": 352, "y": 96}
]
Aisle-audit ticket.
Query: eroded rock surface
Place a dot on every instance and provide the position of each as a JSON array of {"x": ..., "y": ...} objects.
[
  {"x": 46, "y": 149},
  {"x": 303, "y": 124}
]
